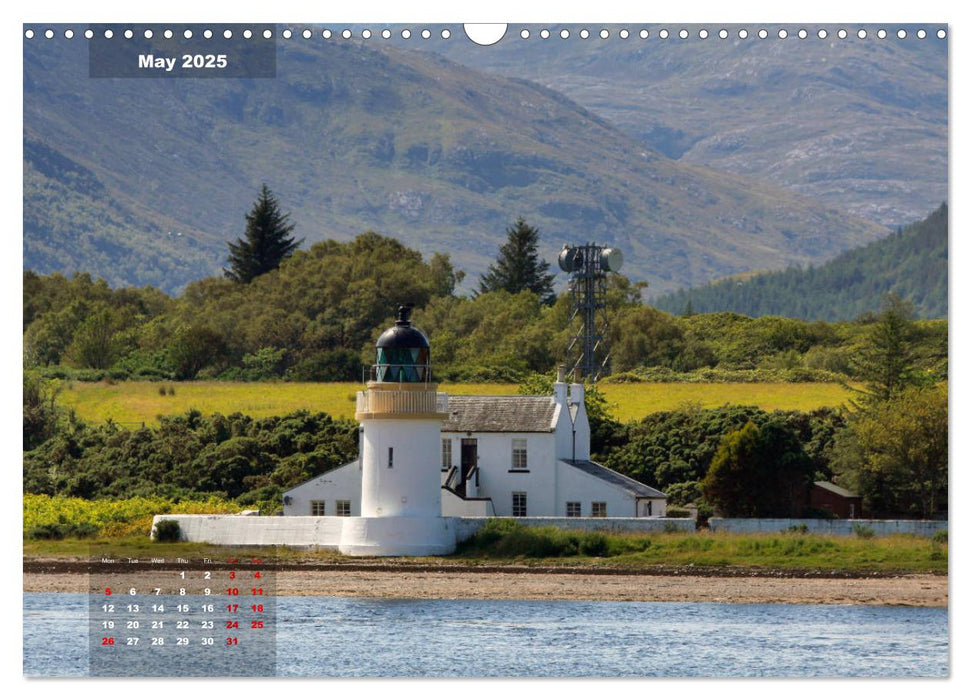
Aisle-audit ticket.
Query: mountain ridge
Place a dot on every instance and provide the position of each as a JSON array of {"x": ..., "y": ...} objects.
[
  {"x": 911, "y": 263},
  {"x": 826, "y": 117},
  {"x": 351, "y": 139}
]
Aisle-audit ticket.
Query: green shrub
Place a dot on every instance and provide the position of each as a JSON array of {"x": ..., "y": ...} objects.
[
  {"x": 864, "y": 532},
  {"x": 60, "y": 530},
  {"x": 671, "y": 528},
  {"x": 337, "y": 365},
  {"x": 630, "y": 544},
  {"x": 678, "y": 513},
  {"x": 167, "y": 531},
  {"x": 47, "y": 531},
  {"x": 507, "y": 538},
  {"x": 161, "y": 390},
  {"x": 801, "y": 528},
  {"x": 940, "y": 537},
  {"x": 593, "y": 544},
  {"x": 83, "y": 530}
]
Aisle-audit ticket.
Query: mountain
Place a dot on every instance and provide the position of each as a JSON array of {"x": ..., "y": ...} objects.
[
  {"x": 860, "y": 124},
  {"x": 911, "y": 263},
  {"x": 146, "y": 180}
]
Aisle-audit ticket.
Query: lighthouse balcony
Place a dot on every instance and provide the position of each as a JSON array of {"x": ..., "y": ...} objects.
[{"x": 401, "y": 400}]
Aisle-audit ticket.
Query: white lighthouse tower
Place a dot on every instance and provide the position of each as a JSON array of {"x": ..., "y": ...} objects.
[{"x": 401, "y": 415}]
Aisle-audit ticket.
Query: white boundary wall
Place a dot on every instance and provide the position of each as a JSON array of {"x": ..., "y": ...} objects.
[
  {"x": 294, "y": 530},
  {"x": 325, "y": 532},
  {"x": 923, "y": 528},
  {"x": 466, "y": 527}
]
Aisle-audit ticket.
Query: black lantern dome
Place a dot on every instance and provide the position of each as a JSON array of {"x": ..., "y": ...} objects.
[{"x": 403, "y": 352}]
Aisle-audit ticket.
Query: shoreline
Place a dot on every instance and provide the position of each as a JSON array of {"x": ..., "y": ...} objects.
[{"x": 514, "y": 582}]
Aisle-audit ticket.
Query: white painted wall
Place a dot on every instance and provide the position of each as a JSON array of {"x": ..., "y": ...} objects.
[
  {"x": 328, "y": 532},
  {"x": 411, "y": 487},
  {"x": 341, "y": 484},
  {"x": 653, "y": 508},
  {"x": 581, "y": 425},
  {"x": 547, "y": 487},
  {"x": 455, "y": 507},
  {"x": 297, "y": 531},
  {"x": 576, "y": 485},
  {"x": 561, "y": 419},
  {"x": 498, "y": 480},
  {"x": 466, "y": 527},
  {"x": 922, "y": 528}
]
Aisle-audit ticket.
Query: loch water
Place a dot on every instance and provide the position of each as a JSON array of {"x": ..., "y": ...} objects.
[{"x": 356, "y": 637}]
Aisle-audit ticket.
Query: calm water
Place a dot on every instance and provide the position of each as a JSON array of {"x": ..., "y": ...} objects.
[{"x": 473, "y": 638}]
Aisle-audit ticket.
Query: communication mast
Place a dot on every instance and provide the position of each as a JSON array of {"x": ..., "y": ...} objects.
[{"x": 588, "y": 266}]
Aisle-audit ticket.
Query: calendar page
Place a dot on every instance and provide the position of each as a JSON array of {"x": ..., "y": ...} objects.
[
  {"x": 442, "y": 350},
  {"x": 193, "y": 618}
]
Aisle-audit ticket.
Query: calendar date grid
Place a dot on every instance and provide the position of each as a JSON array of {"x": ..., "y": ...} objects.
[{"x": 182, "y": 617}]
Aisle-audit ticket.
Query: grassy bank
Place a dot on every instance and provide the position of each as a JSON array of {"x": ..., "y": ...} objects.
[
  {"x": 508, "y": 540},
  {"x": 60, "y": 517},
  {"x": 134, "y": 403},
  {"x": 121, "y": 528}
]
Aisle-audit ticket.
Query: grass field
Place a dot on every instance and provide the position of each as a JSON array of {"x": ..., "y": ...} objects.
[
  {"x": 782, "y": 552},
  {"x": 634, "y": 401},
  {"x": 141, "y": 402},
  {"x": 123, "y": 526}
]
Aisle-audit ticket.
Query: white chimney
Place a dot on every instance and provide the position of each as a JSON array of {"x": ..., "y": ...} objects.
[
  {"x": 576, "y": 388},
  {"x": 559, "y": 387},
  {"x": 581, "y": 426}
]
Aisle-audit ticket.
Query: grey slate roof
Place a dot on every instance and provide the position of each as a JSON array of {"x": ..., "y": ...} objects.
[
  {"x": 838, "y": 490},
  {"x": 499, "y": 414},
  {"x": 625, "y": 482}
]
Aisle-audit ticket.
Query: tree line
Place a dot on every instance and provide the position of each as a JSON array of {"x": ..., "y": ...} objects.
[
  {"x": 313, "y": 315},
  {"x": 281, "y": 312},
  {"x": 911, "y": 263},
  {"x": 889, "y": 445}
]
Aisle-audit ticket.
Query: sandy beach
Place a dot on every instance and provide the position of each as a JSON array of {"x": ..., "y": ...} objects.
[{"x": 415, "y": 581}]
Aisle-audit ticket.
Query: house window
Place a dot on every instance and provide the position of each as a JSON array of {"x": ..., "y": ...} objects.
[
  {"x": 573, "y": 509},
  {"x": 318, "y": 508},
  {"x": 343, "y": 508},
  {"x": 598, "y": 509},
  {"x": 519, "y": 453},
  {"x": 390, "y": 458},
  {"x": 446, "y": 453},
  {"x": 519, "y": 504}
]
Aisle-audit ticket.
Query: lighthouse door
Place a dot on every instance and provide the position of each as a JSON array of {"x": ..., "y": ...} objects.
[{"x": 470, "y": 458}]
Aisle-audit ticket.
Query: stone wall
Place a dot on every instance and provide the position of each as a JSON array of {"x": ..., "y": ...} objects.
[
  {"x": 466, "y": 527},
  {"x": 292, "y": 531},
  {"x": 325, "y": 532},
  {"x": 923, "y": 528}
]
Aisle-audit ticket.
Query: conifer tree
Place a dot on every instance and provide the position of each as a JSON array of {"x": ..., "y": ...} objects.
[
  {"x": 518, "y": 267},
  {"x": 886, "y": 362},
  {"x": 267, "y": 241}
]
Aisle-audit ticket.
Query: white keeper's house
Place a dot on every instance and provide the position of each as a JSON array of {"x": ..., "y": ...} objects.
[{"x": 520, "y": 456}]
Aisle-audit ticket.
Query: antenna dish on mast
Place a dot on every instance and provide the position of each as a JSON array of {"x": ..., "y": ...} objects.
[{"x": 588, "y": 266}]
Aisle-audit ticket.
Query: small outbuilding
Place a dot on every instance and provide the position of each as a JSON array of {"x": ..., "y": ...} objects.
[{"x": 835, "y": 499}]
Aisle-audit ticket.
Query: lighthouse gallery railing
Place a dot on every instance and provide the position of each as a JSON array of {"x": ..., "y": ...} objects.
[{"x": 403, "y": 401}]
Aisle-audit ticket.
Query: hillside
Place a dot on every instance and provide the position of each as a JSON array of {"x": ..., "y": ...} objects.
[
  {"x": 145, "y": 181},
  {"x": 861, "y": 125},
  {"x": 911, "y": 263}
]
